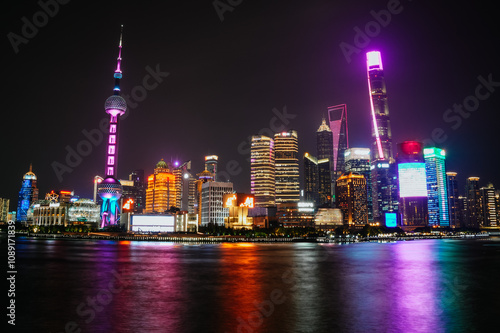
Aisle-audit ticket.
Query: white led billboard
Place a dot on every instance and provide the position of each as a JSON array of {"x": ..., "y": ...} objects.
[
  {"x": 152, "y": 223},
  {"x": 412, "y": 180}
]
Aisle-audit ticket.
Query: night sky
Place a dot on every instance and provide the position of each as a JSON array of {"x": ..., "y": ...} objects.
[{"x": 226, "y": 77}]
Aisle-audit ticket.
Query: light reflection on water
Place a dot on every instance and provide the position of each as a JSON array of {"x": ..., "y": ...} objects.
[{"x": 416, "y": 286}]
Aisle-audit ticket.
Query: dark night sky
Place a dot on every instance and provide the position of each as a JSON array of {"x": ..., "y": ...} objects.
[{"x": 226, "y": 78}]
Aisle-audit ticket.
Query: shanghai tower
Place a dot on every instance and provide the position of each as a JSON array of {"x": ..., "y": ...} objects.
[
  {"x": 383, "y": 168},
  {"x": 110, "y": 189},
  {"x": 381, "y": 130}
]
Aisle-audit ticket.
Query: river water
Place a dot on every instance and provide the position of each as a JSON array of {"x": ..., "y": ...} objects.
[{"x": 122, "y": 286}]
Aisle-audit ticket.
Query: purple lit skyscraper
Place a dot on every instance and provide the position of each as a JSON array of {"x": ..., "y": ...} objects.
[
  {"x": 383, "y": 168},
  {"x": 110, "y": 189},
  {"x": 337, "y": 116},
  {"x": 381, "y": 130}
]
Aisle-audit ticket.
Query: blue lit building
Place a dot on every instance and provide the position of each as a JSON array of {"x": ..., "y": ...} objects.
[
  {"x": 437, "y": 191},
  {"x": 27, "y": 195}
]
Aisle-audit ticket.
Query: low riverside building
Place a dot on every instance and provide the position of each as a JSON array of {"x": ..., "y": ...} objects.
[
  {"x": 295, "y": 214},
  {"x": 163, "y": 223},
  {"x": 186, "y": 222},
  {"x": 328, "y": 219},
  {"x": 50, "y": 213},
  {"x": 59, "y": 210}
]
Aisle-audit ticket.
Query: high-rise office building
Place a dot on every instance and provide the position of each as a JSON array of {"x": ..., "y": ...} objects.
[
  {"x": 412, "y": 185},
  {"x": 384, "y": 171},
  {"x": 286, "y": 147},
  {"x": 262, "y": 171},
  {"x": 177, "y": 171},
  {"x": 161, "y": 193},
  {"x": 381, "y": 130},
  {"x": 488, "y": 206},
  {"x": 211, "y": 164},
  {"x": 311, "y": 178},
  {"x": 212, "y": 210},
  {"x": 337, "y": 116},
  {"x": 385, "y": 199},
  {"x": 357, "y": 160},
  {"x": 203, "y": 177},
  {"x": 351, "y": 199},
  {"x": 324, "y": 142},
  {"x": 27, "y": 195},
  {"x": 324, "y": 147},
  {"x": 437, "y": 189},
  {"x": 324, "y": 183},
  {"x": 317, "y": 180},
  {"x": 462, "y": 211},
  {"x": 139, "y": 190},
  {"x": 4, "y": 209},
  {"x": 453, "y": 204},
  {"x": 186, "y": 187},
  {"x": 110, "y": 189},
  {"x": 188, "y": 193},
  {"x": 473, "y": 216}
]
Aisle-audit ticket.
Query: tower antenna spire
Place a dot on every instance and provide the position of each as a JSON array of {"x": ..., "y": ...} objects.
[{"x": 118, "y": 71}]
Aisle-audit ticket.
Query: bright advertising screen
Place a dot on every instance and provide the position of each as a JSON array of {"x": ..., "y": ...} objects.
[
  {"x": 148, "y": 223},
  {"x": 412, "y": 180},
  {"x": 391, "y": 220}
]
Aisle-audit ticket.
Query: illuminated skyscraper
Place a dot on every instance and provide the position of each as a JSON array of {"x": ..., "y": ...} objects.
[
  {"x": 324, "y": 145},
  {"x": 139, "y": 190},
  {"x": 437, "y": 192},
  {"x": 324, "y": 142},
  {"x": 351, "y": 199},
  {"x": 311, "y": 178},
  {"x": 177, "y": 171},
  {"x": 412, "y": 185},
  {"x": 337, "y": 116},
  {"x": 110, "y": 189},
  {"x": 384, "y": 173},
  {"x": 381, "y": 130},
  {"x": 211, "y": 164},
  {"x": 186, "y": 186},
  {"x": 212, "y": 210},
  {"x": 324, "y": 183},
  {"x": 317, "y": 180},
  {"x": 453, "y": 203},
  {"x": 462, "y": 211},
  {"x": 189, "y": 193},
  {"x": 203, "y": 177},
  {"x": 161, "y": 193},
  {"x": 27, "y": 195},
  {"x": 488, "y": 206},
  {"x": 262, "y": 171},
  {"x": 286, "y": 147},
  {"x": 473, "y": 217},
  {"x": 357, "y": 160}
]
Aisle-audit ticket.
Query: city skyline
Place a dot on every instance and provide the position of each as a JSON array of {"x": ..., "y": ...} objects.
[{"x": 306, "y": 92}]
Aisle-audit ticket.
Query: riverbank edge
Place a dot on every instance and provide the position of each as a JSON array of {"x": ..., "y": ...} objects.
[{"x": 235, "y": 239}]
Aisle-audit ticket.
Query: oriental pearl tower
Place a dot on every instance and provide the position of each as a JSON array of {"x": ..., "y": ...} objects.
[{"x": 110, "y": 189}]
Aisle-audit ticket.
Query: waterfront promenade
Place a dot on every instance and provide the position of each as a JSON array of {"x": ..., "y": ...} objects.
[{"x": 236, "y": 239}]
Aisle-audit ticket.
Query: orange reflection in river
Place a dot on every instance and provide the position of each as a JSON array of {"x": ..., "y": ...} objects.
[{"x": 242, "y": 278}]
